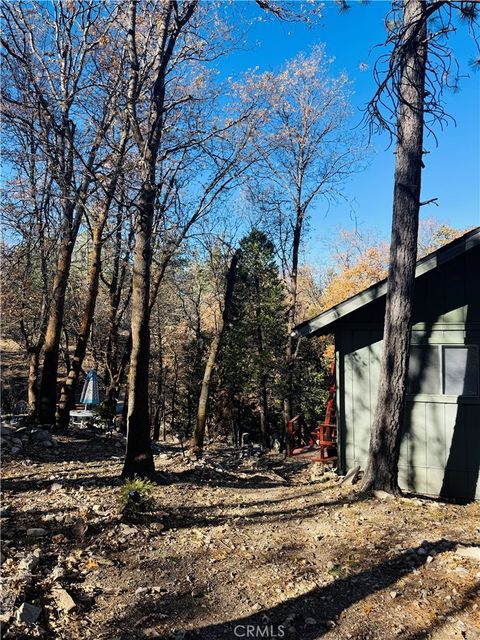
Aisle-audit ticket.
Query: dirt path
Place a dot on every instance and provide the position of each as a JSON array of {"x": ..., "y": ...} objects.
[{"x": 233, "y": 550}]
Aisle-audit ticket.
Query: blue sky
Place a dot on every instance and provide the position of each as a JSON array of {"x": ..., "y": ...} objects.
[{"x": 452, "y": 172}]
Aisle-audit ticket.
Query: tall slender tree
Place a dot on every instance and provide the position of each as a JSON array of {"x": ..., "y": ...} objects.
[
  {"x": 148, "y": 86},
  {"x": 214, "y": 350},
  {"x": 307, "y": 154},
  {"x": 180, "y": 33},
  {"x": 98, "y": 223},
  {"x": 418, "y": 68}
]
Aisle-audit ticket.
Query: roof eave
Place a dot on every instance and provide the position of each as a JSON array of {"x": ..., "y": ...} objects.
[{"x": 322, "y": 324}]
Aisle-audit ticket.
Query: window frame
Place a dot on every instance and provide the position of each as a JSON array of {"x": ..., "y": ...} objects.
[
  {"x": 442, "y": 369},
  {"x": 441, "y": 347}
]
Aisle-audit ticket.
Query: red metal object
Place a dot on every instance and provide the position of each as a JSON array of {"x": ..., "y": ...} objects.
[
  {"x": 298, "y": 435},
  {"x": 319, "y": 445},
  {"x": 327, "y": 441},
  {"x": 331, "y": 396}
]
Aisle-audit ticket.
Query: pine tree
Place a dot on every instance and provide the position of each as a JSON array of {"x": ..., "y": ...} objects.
[{"x": 253, "y": 344}]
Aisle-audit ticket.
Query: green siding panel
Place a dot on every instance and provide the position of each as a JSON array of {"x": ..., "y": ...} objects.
[
  {"x": 417, "y": 450},
  {"x": 435, "y": 425},
  {"x": 440, "y": 449}
]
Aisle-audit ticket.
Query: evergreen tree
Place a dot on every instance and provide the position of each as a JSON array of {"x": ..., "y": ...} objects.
[{"x": 253, "y": 356}]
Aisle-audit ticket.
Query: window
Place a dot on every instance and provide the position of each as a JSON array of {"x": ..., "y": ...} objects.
[
  {"x": 424, "y": 370},
  {"x": 444, "y": 370},
  {"x": 460, "y": 371}
]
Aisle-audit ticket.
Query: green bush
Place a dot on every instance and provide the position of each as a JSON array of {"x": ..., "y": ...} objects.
[{"x": 136, "y": 496}]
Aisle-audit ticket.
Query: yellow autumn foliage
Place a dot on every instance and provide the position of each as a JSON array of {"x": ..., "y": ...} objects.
[{"x": 370, "y": 267}]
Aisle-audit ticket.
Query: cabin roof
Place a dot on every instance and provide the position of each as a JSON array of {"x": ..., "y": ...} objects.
[{"x": 324, "y": 322}]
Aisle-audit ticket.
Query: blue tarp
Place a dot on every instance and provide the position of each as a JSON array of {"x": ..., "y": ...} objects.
[{"x": 90, "y": 394}]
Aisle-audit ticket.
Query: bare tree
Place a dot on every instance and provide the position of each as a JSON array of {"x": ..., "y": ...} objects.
[
  {"x": 29, "y": 217},
  {"x": 97, "y": 222},
  {"x": 180, "y": 139},
  {"x": 307, "y": 154},
  {"x": 49, "y": 54},
  {"x": 118, "y": 282},
  {"x": 147, "y": 80}
]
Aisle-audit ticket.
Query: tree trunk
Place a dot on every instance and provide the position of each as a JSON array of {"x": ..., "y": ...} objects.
[
  {"x": 156, "y": 422},
  {"x": 199, "y": 431},
  {"x": 264, "y": 422},
  {"x": 138, "y": 456},
  {"x": 263, "y": 398},
  {"x": 123, "y": 421},
  {"x": 174, "y": 395},
  {"x": 189, "y": 412},
  {"x": 117, "y": 373},
  {"x": 291, "y": 314},
  {"x": 163, "y": 413},
  {"x": 114, "y": 372},
  {"x": 67, "y": 392},
  {"x": 33, "y": 365},
  {"x": 382, "y": 467},
  {"x": 48, "y": 387},
  {"x": 73, "y": 207},
  {"x": 160, "y": 392}
]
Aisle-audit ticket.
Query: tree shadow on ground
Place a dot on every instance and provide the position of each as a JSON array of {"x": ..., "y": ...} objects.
[
  {"x": 105, "y": 522},
  {"x": 197, "y": 517},
  {"x": 78, "y": 449},
  {"x": 21, "y": 485},
  {"x": 195, "y": 475},
  {"x": 328, "y": 602},
  {"x": 435, "y": 499}
]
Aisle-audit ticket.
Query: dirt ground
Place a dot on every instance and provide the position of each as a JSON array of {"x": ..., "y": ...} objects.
[{"x": 233, "y": 549}]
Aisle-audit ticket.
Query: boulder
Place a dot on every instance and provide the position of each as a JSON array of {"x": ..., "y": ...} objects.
[
  {"x": 30, "y": 563},
  {"x": 38, "y": 435},
  {"x": 383, "y": 495}
]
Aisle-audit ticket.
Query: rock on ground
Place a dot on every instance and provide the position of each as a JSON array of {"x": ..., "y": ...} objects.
[{"x": 28, "y": 613}]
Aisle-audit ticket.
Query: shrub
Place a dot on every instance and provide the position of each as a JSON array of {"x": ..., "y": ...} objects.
[{"x": 136, "y": 496}]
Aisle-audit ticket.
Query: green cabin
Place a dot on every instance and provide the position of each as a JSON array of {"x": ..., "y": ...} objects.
[{"x": 440, "y": 452}]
